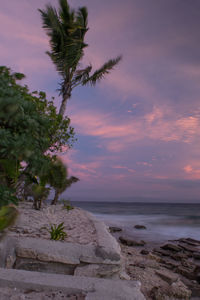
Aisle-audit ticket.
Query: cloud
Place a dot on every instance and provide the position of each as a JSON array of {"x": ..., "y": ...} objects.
[
  {"x": 192, "y": 172},
  {"x": 157, "y": 125},
  {"x": 124, "y": 168}
]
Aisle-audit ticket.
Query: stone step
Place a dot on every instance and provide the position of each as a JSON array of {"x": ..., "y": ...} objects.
[{"x": 93, "y": 288}]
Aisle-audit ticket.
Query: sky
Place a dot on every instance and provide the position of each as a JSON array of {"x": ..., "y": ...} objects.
[{"x": 138, "y": 131}]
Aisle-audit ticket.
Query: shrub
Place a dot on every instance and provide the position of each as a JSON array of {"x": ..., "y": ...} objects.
[
  {"x": 57, "y": 232},
  {"x": 67, "y": 205}
]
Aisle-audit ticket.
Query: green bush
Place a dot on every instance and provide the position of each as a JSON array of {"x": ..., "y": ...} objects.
[
  {"x": 67, "y": 205},
  {"x": 57, "y": 232}
]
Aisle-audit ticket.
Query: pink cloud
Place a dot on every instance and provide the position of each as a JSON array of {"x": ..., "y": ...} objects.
[
  {"x": 192, "y": 172},
  {"x": 160, "y": 124},
  {"x": 124, "y": 168}
]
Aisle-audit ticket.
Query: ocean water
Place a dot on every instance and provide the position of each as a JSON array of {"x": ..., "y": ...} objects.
[{"x": 164, "y": 221}]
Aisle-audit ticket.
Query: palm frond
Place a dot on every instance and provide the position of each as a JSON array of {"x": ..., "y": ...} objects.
[
  {"x": 81, "y": 75},
  {"x": 66, "y": 31},
  {"x": 101, "y": 72}
]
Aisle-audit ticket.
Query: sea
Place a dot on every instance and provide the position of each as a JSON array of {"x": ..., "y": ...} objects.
[{"x": 163, "y": 221}]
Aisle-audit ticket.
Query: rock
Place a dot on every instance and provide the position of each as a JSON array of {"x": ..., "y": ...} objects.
[
  {"x": 169, "y": 263},
  {"x": 124, "y": 276},
  {"x": 167, "y": 276},
  {"x": 190, "y": 242},
  {"x": 171, "y": 292},
  {"x": 154, "y": 257},
  {"x": 99, "y": 271},
  {"x": 193, "y": 286},
  {"x": 171, "y": 247},
  {"x": 179, "y": 256},
  {"x": 140, "y": 227},
  {"x": 114, "y": 229},
  {"x": 162, "y": 252},
  {"x": 66, "y": 253},
  {"x": 188, "y": 248},
  {"x": 186, "y": 272},
  {"x": 144, "y": 252},
  {"x": 180, "y": 291},
  {"x": 130, "y": 242},
  {"x": 196, "y": 255},
  {"x": 193, "y": 241},
  {"x": 197, "y": 274}
]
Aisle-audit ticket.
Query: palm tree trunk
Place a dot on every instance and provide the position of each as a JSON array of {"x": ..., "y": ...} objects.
[
  {"x": 66, "y": 96},
  {"x": 55, "y": 200}
]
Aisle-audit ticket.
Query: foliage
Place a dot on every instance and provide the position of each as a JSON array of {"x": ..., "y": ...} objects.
[
  {"x": 67, "y": 205},
  {"x": 59, "y": 179},
  {"x": 57, "y": 232},
  {"x": 8, "y": 215},
  {"x": 31, "y": 133},
  {"x": 66, "y": 29},
  {"x": 7, "y": 195}
]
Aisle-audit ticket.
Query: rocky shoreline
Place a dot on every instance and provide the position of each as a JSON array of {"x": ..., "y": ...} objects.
[{"x": 170, "y": 270}]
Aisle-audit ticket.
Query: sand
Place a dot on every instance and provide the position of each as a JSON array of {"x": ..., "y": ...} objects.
[{"x": 37, "y": 223}]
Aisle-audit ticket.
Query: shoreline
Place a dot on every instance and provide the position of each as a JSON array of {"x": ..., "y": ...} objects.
[{"x": 81, "y": 230}]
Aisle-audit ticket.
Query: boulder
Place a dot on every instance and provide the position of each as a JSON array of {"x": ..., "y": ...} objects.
[
  {"x": 167, "y": 276},
  {"x": 140, "y": 227},
  {"x": 171, "y": 247},
  {"x": 130, "y": 242},
  {"x": 180, "y": 291},
  {"x": 188, "y": 248},
  {"x": 177, "y": 290},
  {"x": 144, "y": 252},
  {"x": 169, "y": 263},
  {"x": 190, "y": 242},
  {"x": 162, "y": 252},
  {"x": 188, "y": 273},
  {"x": 114, "y": 229},
  {"x": 196, "y": 255}
]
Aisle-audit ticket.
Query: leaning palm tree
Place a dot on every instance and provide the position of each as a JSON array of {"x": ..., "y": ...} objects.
[{"x": 66, "y": 29}]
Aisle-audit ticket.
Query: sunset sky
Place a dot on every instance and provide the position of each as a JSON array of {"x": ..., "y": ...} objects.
[{"x": 138, "y": 130}]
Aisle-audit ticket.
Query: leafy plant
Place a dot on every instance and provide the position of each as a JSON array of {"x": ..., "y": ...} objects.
[
  {"x": 57, "y": 232},
  {"x": 8, "y": 215},
  {"x": 31, "y": 134},
  {"x": 67, "y": 205}
]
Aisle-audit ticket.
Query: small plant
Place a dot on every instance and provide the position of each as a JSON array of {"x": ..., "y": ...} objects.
[
  {"x": 67, "y": 205},
  {"x": 57, "y": 232}
]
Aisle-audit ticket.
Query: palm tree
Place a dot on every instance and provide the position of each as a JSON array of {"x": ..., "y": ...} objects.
[
  {"x": 58, "y": 178},
  {"x": 63, "y": 186},
  {"x": 66, "y": 29}
]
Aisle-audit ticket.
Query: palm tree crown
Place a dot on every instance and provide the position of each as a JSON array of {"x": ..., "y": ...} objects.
[{"x": 66, "y": 29}]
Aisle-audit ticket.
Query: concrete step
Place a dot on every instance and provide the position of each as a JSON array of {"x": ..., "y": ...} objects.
[{"x": 93, "y": 288}]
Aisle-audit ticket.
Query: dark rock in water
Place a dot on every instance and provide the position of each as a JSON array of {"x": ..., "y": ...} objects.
[
  {"x": 193, "y": 241},
  {"x": 114, "y": 229},
  {"x": 144, "y": 252},
  {"x": 171, "y": 247},
  {"x": 130, "y": 242},
  {"x": 140, "y": 227},
  {"x": 190, "y": 242}
]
